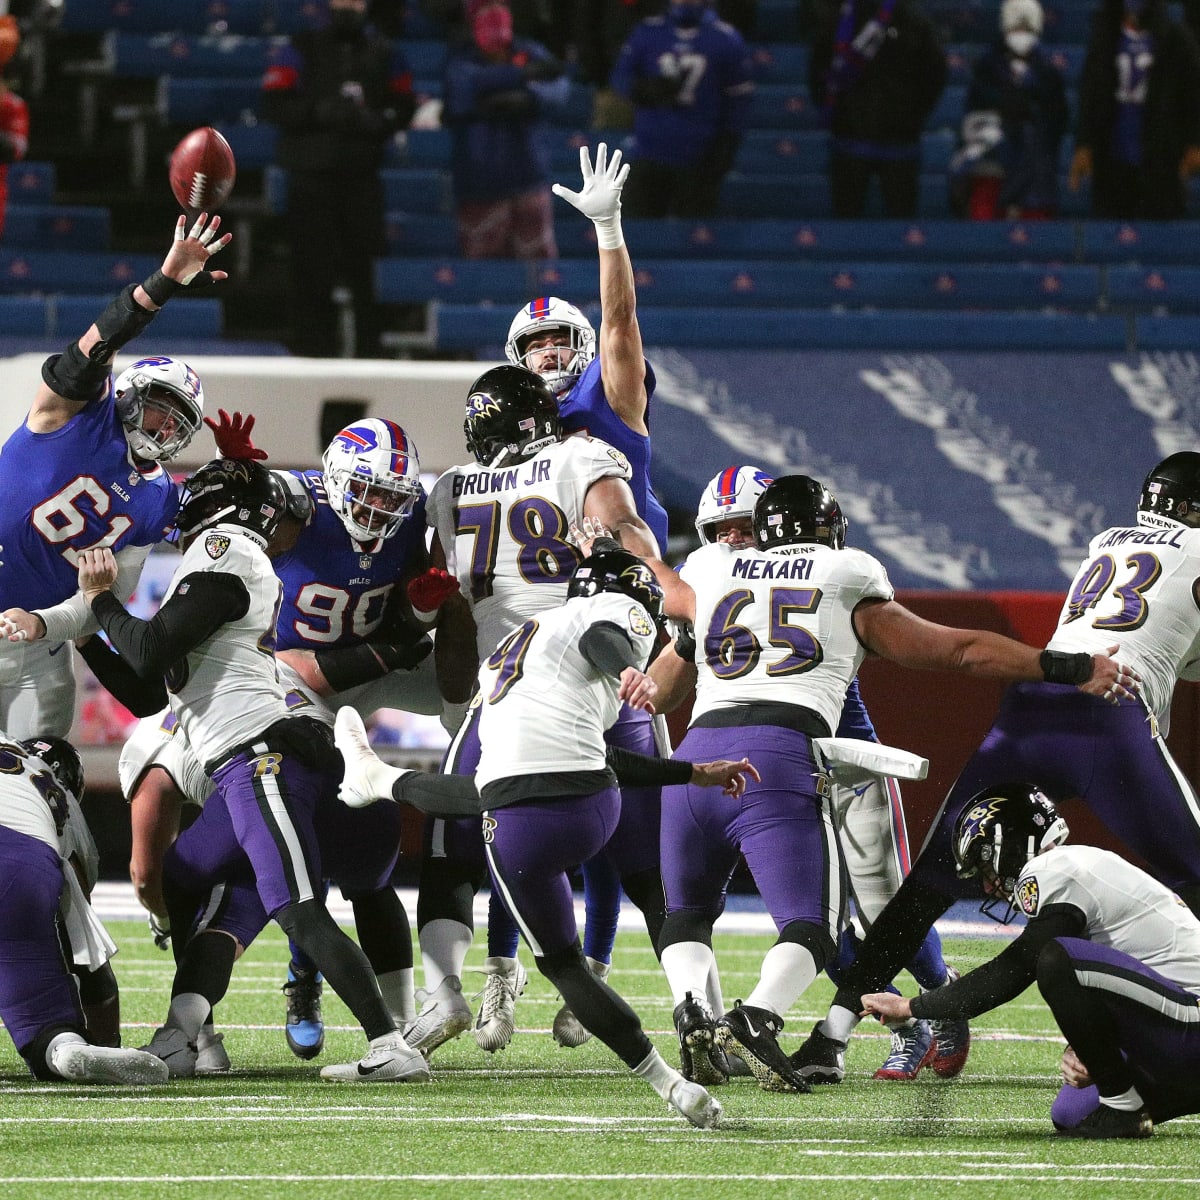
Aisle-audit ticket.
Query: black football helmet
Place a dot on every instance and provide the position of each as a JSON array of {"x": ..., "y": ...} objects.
[
  {"x": 999, "y": 831},
  {"x": 1172, "y": 489},
  {"x": 63, "y": 760},
  {"x": 232, "y": 491},
  {"x": 619, "y": 571},
  {"x": 511, "y": 415},
  {"x": 797, "y": 508}
]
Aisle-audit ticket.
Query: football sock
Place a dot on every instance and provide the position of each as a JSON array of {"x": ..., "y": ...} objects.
[
  {"x": 444, "y": 946},
  {"x": 396, "y": 987},
  {"x": 188, "y": 1012},
  {"x": 716, "y": 1001},
  {"x": 787, "y": 970},
  {"x": 658, "y": 1073},
  {"x": 688, "y": 966},
  {"x": 839, "y": 1024},
  {"x": 1128, "y": 1101}
]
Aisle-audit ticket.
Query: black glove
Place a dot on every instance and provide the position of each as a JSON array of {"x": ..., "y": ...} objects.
[
  {"x": 541, "y": 69},
  {"x": 656, "y": 90}
]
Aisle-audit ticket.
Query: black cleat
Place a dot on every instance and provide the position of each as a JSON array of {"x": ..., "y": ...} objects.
[
  {"x": 1108, "y": 1122},
  {"x": 700, "y": 1058},
  {"x": 820, "y": 1059},
  {"x": 751, "y": 1034}
]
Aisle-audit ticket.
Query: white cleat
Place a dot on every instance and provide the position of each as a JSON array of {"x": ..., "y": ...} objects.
[
  {"x": 172, "y": 1046},
  {"x": 567, "y": 1030},
  {"x": 443, "y": 1016},
  {"x": 389, "y": 1059},
  {"x": 82, "y": 1063},
  {"x": 495, "y": 1024},
  {"x": 695, "y": 1103},
  {"x": 367, "y": 777},
  {"x": 211, "y": 1056}
]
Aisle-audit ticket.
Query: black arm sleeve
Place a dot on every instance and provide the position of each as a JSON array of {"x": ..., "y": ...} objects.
[
  {"x": 608, "y": 648},
  {"x": 646, "y": 770},
  {"x": 202, "y": 604},
  {"x": 349, "y": 666},
  {"x": 1006, "y": 976},
  {"x": 143, "y": 697}
]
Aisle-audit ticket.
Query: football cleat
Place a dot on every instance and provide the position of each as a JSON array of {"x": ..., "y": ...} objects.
[
  {"x": 953, "y": 1040},
  {"x": 1106, "y": 1122},
  {"x": 700, "y": 1058},
  {"x": 82, "y": 1063},
  {"x": 442, "y": 1017},
  {"x": 172, "y": 1046},
  {"x": 567, "y": 1030},
  {"x": 494, "y": 1024},
  {"x": 820, "y": 1059},
  {"x": 751, "y": 1033},
  {"x": 211, "y": 1056},
  {"x": 913, "y": 1047},
  {"x": 695, "y": 1103},
  {"x": 305, "y": 1031},
  {"x": 389, "y": 1059},
  {"x": 737, "y": 1066}
]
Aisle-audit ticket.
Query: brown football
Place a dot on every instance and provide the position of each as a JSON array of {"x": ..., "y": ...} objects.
[{"x": 202, "y": 170}]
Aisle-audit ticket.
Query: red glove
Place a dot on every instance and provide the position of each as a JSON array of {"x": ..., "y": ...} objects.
[
  {"x": 232, "y": 436},
  {"x": 427, "y": 593}
]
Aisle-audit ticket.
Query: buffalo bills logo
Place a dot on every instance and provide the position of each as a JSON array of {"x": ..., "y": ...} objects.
[{"x": 356, "y": 438}]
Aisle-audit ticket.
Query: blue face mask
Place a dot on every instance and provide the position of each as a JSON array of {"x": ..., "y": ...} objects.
[{"x": 686, "y": 15}]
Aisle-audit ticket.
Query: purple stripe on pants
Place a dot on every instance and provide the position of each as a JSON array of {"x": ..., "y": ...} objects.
[{"x": 36, "y": 990}]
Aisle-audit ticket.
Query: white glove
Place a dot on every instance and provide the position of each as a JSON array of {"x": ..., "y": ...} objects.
[{"x": 600, "y": 197}]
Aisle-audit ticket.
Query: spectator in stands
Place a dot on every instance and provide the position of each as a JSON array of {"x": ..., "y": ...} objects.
[
  {"x": 338, "y": 94},
  {"x": 877, "y": 70},
  {"x": 1007, "y": 163},
  {"x": 1138, "y": 132},
  {"x": 14, "y": 112},
  {"x": 688, "y": 75}
]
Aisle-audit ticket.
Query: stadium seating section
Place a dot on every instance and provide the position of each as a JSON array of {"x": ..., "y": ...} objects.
[{"x": 772, "y": 268}]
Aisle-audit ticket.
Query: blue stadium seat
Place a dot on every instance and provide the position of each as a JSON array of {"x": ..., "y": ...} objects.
[
  {"x": 31, "y": 182},
  {"x": 207, "y": 101},
  {"x": 1170, "y": 289},
  {"x": 423, "y": 148},
  {"x": 426, "y": 57},
  {"x": 803, "y": 151},
  {"x": 1158, "y": 242},
  {"x": 783, "y": 106},
  {"x": 26, "y": 316},
  {"x": 58, "y": 227},
  {"x": 424, "y": 189},
  {"x": 467, "y": 327},
  {"x": 780, "y": 62},
  {"x": 149, "y": 55},
  {"x": 421, "y": 234},
  {"x": 72, "y": 270},
  {"x": 808, "y": 195},
  {"x": 461, "y": 280},
  {"x": 1166, "y": 333},
  {"x": 253, "y": 146},
  {"x": 159, "y": 16},
  {"x": 182, "y": 318}
]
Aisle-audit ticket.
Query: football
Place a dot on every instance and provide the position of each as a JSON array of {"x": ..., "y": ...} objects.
[{"x": 202, "y": 170}]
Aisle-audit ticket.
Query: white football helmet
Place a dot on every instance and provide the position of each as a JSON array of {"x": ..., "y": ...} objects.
[
  {"x": 730, "y": 494},
  {"x": 372, "y": 478},
  {"x": 545, "y": 315},
  {"x": 168, "y": 392}
]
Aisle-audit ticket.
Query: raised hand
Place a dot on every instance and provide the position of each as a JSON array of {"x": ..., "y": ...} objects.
[
  {"x": 191, "y": 250},
  {"x": 428, "y": 592},
  {"x": 232, "y": 435}
]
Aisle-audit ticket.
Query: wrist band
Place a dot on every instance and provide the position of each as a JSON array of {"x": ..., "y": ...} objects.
[
  {"x": 608, "y": 232},
  {"x": 160, "y": 289},
  {"x": 1059, "y": 667}
]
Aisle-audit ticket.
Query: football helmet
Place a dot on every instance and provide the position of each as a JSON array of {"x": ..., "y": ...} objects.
[
  {"x": 546, "y": 315},
  {"x": 797, "y": 508},
  {"x": 372, "y": 478},
  {"x": 999, "y": 831},
  {"x": 63, "y": 760},
  {"x": 232, "y": 491},
  {"x": 619, "y": 571},
  {"x": 161, "y": 405},
  {"x": 511, "y": 415},
  {"x": 1172, "y": 489},
  {"x": 729, "y": 495}
]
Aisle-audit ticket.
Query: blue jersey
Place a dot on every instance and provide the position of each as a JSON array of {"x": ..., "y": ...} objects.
[
  {"x": 585, "y": 409},
  {"x": 334, "y": 588},
  {"x": 72, "y": 490},
  {"x": 713, "y": 65}
]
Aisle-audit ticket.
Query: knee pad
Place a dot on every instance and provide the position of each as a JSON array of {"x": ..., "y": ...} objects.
[
  {"x": 813, "y": 938},
  {"x": 686, "y": 927}
]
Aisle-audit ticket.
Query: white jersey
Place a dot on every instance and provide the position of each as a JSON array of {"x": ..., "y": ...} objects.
[
  {"x": 1123, "y": 907},
  {"x": 1135, "y": 589},
  {"x": 774, "y": 625},
  {"x": 228, "y": 689},
  {"x": 504, "y": 530},
  {"x": 545, "y": 707},
  {"x": 32, "y": 801},
  {"x": 157, "y": 741}
]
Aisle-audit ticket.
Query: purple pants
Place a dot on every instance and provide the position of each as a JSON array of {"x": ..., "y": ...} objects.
[
  {"x": 781, "y": 826},
  {"x": 1071, "y": 744},
  {"x": 1159, "y": 1032},
  {"x": 532, "y": 848},
  {"x": 36, "y": 989}
]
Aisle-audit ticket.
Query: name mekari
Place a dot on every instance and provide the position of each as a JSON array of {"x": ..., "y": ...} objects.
[{"x": 773, "y": 568}]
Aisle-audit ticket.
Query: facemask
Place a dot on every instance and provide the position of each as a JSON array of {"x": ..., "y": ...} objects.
[
  {"x": 493, "y": 29},
  {"x": 1021, "y": 42},
  {"x": 686, "y": 16},
  {"x": 346, "y": 22}
]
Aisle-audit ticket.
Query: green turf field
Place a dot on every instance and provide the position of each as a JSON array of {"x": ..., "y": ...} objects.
[{"x": 539, "y": 1121}]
